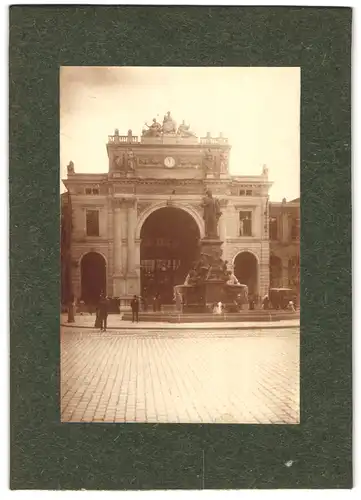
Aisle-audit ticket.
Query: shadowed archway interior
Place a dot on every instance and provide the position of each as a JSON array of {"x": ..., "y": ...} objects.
[
  {"x": 93, "y": 277},
  {"x": 246, "y": 270},
  {"x": 169, "y": 247}
]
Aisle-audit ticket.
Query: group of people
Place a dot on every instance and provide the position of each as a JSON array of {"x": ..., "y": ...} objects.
[
  {"x": 102, "y": 311},
  {"x": 267, "y": 304}
]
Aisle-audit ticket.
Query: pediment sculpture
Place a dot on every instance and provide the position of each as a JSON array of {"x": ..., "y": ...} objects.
[{"x": 125, "y": 162}]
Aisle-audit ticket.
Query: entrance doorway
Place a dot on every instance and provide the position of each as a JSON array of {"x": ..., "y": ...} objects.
[
  {"x": 169, "y": 247},
  {"x": 245, "y": 269},
  {"x": 93, "y": 277}
]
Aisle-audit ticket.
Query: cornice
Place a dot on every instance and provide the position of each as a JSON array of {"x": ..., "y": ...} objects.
[{"x": 167, "y": 145}]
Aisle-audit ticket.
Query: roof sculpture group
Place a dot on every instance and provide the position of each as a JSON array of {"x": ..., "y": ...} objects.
[{"x": 169, "y": 127}]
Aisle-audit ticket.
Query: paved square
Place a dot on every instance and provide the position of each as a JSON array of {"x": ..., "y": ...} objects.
[{"x": 180, "y": 376}]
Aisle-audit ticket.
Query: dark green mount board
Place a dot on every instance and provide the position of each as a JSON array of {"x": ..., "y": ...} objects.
[{"x": 46, "y": 454}]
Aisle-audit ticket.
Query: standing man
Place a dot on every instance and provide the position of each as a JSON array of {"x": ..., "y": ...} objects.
[
  {"x": 135, "y": 309},
  {"x": 266, "y": 302},
  {"x": 251, "y": 302},
  {"x": 103, "y": 312}
]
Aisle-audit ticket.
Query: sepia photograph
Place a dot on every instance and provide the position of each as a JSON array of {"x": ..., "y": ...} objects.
[{"x": 180, "y": 245}]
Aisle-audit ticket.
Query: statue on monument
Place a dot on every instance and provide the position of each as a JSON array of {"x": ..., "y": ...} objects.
[
  {"x": 223, "y": 162},
  {"x": 211, "y": 214},
  {"x": 183, "y": 130},
  {"x": 208, "y": 161},
  {"x": 70, "y": 168},
  {"x": 131, "y": 160},
  {"x": 154, "y": 130},
  {"x": 169, "y": 125},
  {"x": 118, "y": 162}
]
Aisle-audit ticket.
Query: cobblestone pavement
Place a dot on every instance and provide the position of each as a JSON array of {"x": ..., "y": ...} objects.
[{"x": 204, "y": 376}]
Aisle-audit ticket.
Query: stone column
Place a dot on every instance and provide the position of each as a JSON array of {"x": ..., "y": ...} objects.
[
  {"x": 117, "y": 238},
  {"x": 131, "y": 238},
  {"x": 137, "y": 264},
  {"x": 76, "y": 281},
  {"x": 132, "y": 276},
  {"x": 118, "y": 225},
  {"x": 137, "y": 255}
]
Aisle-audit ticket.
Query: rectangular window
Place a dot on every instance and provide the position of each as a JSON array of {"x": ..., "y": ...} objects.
[
  {"x": 295, "y": 229},
  {"x": 92, "y": 223},
  {"x": 95, "y": 191},
  {"x": 88, "y": 191},
  {"x": 245, "y": 223},
  {"x": 273, "y": 228},
  {"x": 249, "y": 192},
  {"x": 242, "y": 192}
]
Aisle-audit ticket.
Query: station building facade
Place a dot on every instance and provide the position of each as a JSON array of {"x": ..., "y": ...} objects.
[{"x": 136, "y": 228}]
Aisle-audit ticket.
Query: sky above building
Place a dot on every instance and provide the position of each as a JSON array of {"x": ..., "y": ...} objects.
[{"x": 258, "y": 109}]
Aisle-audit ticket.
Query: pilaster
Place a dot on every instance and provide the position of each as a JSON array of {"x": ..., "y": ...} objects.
[
  {"x": 119, "y": 221},
  {"x": 133, "y": 278}
]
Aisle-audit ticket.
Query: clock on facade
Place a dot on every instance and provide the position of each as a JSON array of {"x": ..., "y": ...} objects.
[{"x": 169, "y": 162}]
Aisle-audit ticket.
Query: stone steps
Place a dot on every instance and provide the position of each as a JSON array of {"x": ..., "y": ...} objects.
[{"x": 244, "y": 316}]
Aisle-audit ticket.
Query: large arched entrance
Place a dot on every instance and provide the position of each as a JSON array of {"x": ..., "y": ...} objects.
[
  {"x": 169, "y": 247},
  {"x": 275, "y": 272},
  {"x": 93, "y": 277},
  {"x": 246, "y": 271}
]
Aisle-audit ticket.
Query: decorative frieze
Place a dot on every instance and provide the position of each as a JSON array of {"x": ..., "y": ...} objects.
[
  {"x": 155, "y": 161},
  {"x": 123, "y": 203},
  {"x": 124, "y": 189}
]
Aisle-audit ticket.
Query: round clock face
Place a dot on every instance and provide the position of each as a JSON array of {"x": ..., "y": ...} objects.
[{"x": 169, "y": 162}]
